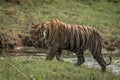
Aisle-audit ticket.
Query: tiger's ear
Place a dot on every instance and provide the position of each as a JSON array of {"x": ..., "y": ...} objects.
[
  {"x": 31, "y": 24},
  {"x": 43, "y": 25}
]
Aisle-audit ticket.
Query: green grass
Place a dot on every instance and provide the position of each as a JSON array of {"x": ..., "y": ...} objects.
[
  {"x": 103, "y": 15},
  {"x": 36, "y": 68}
]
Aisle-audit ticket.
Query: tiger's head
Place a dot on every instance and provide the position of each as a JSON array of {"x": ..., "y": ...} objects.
[{"x": 38, "y": 33}]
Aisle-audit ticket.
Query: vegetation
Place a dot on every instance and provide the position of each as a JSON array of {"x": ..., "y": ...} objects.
[
  {"x": 36, "y": 68},
  {"x": 101, "y": 14},
  {"x": 17, "y": 14}
]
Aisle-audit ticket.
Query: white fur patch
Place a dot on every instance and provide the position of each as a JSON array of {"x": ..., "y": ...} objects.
[{"x": 44, "y": 35}]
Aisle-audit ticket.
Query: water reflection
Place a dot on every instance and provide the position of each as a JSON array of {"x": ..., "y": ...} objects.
[{"x": 90, "y": 62}]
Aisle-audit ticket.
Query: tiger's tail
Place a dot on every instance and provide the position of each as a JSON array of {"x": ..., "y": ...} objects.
[{"x": 110, "y": 60}]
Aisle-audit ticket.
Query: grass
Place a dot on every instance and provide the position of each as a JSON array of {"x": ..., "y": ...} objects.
[
  {"x": 103, "y": 15},
  {"x": 36, "y": 68}
]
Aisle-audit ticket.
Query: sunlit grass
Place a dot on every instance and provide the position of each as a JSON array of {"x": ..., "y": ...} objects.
[{"x": 23, "y": 68}]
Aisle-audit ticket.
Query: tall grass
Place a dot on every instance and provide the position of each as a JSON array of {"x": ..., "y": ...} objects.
[{"x": 36, "y": 68}]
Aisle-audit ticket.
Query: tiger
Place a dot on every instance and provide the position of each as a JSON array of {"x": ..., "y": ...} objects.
[{"x": 74, "y": 38}]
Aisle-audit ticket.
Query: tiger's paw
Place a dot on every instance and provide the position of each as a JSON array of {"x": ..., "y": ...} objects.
[
  {"x": 60, "y": 59},
  {"x": 78, "y": 63}
]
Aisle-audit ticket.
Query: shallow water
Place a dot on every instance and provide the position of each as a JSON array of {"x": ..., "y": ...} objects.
[{"x": 90, "y": 62}]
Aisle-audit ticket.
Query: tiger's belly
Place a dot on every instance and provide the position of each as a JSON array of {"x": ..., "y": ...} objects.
[{"x": 72, "y": 48}]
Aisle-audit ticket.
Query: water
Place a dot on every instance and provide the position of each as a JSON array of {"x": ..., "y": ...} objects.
[{"x": 90, "y": 62}]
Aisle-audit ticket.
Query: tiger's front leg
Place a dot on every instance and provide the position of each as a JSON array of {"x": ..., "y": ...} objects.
[{"x": 52, "y": 53}]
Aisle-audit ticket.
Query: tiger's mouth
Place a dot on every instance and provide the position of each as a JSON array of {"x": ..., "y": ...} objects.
[{"x": 40, "y": 43}]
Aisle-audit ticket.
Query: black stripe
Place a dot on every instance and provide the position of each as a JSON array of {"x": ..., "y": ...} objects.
[
  {"x": 81, "y": 40},
  {"x": 68, "y": 37},
  {"x": 72, "y": 38},
  {"x": 47, "y": 36},
  {"x": 75, "y": 42}
]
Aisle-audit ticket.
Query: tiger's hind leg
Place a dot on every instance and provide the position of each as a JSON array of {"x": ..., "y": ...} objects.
[
  {"x": 80, "y": 58},
  {"x": 58, "y": 55},
  {"x": 98, "y": 57}
]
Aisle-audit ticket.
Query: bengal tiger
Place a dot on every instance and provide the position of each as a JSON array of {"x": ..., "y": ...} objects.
[{"x": 75, "y": 38}]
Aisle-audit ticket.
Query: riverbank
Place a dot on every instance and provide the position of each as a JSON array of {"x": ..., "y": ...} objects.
[
  {"x": 31, "y": 51},
  {"x": 67, "y": 56}
]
